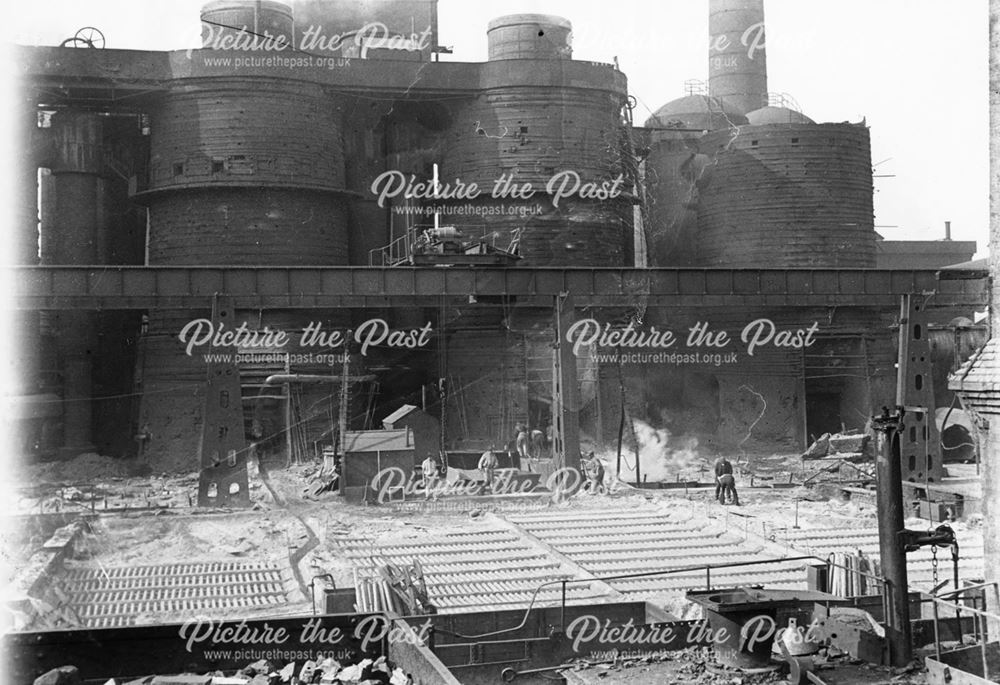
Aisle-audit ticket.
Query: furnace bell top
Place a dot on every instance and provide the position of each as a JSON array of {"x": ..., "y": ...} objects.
[
  {"x": 777, "y": 115},
  {"x": 696, "y": 112},
  {"x": 530, "y": 36},
  {"x": 258, "y": 17}
]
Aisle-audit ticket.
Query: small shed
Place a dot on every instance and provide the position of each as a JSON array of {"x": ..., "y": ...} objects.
[
  {"x": 366, "y": 453},
  {"x": 426, "y": 429}
]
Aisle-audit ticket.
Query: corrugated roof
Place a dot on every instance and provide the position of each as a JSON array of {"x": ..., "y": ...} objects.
[
  {"x": 397, "y": 415},
  {"x": 378, "y": 441},
  {"x": 980, "y": 372},
  {"x": 982, "y": 264},
  {"x": 977, "y": 381}
]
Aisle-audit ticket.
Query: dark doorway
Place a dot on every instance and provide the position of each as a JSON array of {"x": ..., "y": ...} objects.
[{"x": 822, "y": 413}]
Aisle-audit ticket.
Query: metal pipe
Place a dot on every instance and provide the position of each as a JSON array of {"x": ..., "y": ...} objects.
[
  {"x": 562, "y": 609},
  {"x": 982, "y": 648},
  {"x": 885, "y": 599},
  {"x": 970, "y": 588},
  {"x": 312, "y": 588},
  {"x": 996, "y": 603},
  {"x": 280, "y": 378},
  {"x": 289, "y": 424},
  {"x": 958, "y": 612},
  {"x": 937, "y": 600},
  {"x": 975, "y": 623},
  {"x": 937, "y": 632},
  {"x": 888, "y": 472}
]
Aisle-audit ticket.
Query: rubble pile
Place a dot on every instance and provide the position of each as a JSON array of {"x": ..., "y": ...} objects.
[
  {"x": 697, "y": 666},
  {"x": 689, "y": 666},
  {"x": 263, "y": 672},
  {"x": 850, "y": 445}
]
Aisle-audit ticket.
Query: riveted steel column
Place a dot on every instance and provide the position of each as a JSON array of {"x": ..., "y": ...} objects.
[
  {"x": 223, "y": 481},
  {"x": 566, "y": 409}
]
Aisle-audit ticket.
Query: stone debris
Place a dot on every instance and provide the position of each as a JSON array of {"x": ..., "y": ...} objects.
[
  {"x": 377, "y": 671},
  {"x": 850, "y": 445},
  {"x": 64, "y": 675},
  {"x": 697, "y": 666}
]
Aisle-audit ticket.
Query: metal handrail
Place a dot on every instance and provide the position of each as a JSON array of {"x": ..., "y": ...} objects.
[
  {"x": 400, "y": 250},
  {"x": 391, "y": 254},
  {"x": 981, "y": 617},
  {"x": 936, "y": 600}
]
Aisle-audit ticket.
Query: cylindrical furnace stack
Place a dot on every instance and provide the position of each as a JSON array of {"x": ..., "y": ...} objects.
[
  {"x": 787, "y": 196},
  {"x": 539, "y": 115},
  {"x": 243, "y": 172}
]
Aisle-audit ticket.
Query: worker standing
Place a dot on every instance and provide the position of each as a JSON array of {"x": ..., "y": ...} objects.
[
  {"x": 522, "y": 446},
  {"x": 594, "y": 469},
  {"x": 429, "y": 470},
  {"x": 725, "y": 482},
  {"x": 487, "y": 465},
  {"x": 537, "y": 442}
]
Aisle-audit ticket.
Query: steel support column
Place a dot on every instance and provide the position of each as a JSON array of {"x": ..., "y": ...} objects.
[
  {"x": 919, "y": 445},
  {"x": 71, "y": 220},
  {"x": 566, "y": 395},
  {"x": 223, "y": 481}
]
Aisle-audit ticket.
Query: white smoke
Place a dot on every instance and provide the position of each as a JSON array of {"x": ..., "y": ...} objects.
[{"x": 663, "y": 457}]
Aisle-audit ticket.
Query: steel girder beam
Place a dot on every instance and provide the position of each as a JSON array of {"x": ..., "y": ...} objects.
[{"x": 139, "y": 287}]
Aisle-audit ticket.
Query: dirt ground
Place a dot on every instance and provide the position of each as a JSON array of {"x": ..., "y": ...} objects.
[{"x": 151, "y": 519}]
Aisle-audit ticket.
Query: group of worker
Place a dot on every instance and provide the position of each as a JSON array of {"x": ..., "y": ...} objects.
[
  {"x": 531, "y": 444},
  {"x": 593, "y": 469},
  {"x": 725, "y": 482}
]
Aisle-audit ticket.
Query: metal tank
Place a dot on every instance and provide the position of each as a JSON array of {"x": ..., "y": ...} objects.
[
  {"x": 23, "y": 243},
  {"x": 787, "y": 196},
  {"x": 214, "y": 141},
  {"x": 534, "y": 120},
  {"x": 737, "y": 60},
  {"x": 32, "y": 146},
  {"x": 530, "y": 36},
  {"x": 260, "y": 19},
  {"x": 72, "y": 199}
]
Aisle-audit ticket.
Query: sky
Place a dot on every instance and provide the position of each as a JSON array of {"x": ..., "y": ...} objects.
[{"x": 915, "y": 70}]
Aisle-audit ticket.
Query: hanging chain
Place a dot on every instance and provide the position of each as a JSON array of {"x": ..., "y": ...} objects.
[{"x": 934, "y": 564}]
